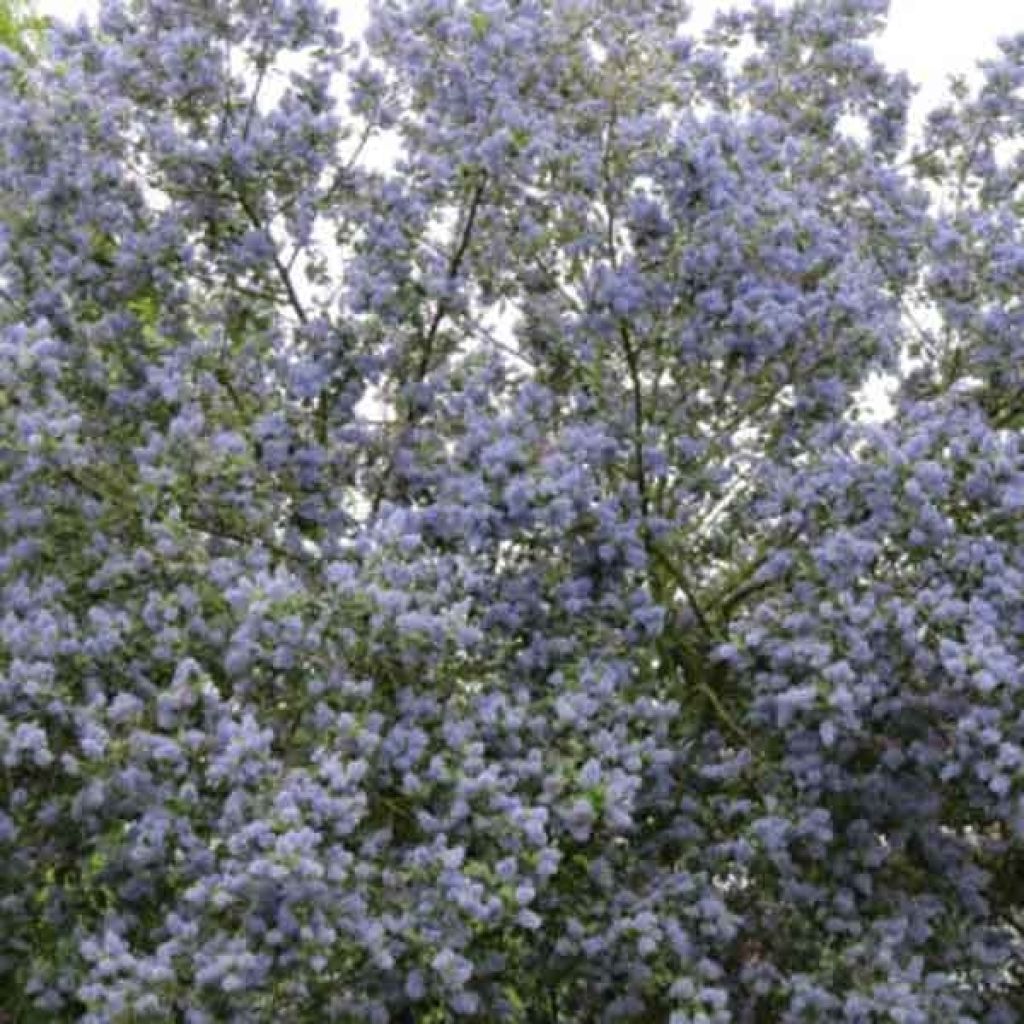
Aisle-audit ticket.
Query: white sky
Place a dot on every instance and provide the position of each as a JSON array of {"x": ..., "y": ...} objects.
[{"x": 928, "y": 38}]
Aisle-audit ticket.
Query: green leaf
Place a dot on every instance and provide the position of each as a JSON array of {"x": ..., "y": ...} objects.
[{"x": 480, "y": 23}]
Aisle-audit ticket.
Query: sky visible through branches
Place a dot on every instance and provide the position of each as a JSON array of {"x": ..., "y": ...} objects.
[{"x": 931, "y": 40}]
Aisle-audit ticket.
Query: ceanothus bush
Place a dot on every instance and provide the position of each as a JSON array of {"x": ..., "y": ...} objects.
[{"x": 466, "y": 585}]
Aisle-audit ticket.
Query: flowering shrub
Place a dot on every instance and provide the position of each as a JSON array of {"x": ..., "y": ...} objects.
[{"x": 466, "y": 585}]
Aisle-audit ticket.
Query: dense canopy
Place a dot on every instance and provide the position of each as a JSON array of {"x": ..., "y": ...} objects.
[{"x": 449, "y": 569}]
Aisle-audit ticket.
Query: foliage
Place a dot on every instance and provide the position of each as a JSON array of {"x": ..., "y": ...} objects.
[
  {"x": 471, "y": 589},
  {"x": 19, "y": 29}
]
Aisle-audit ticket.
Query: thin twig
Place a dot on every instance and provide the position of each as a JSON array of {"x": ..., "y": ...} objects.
[
  {"x": 453, "y": 270},
  {"x": 282, "y": 270}
]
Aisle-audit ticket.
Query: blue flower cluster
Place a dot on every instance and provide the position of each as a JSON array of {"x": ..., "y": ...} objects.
[{"x": 466, "y": 585}]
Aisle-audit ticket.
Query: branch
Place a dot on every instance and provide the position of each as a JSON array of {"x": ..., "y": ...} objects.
[
  {"x": 340, "y": 178},
  {"x": 474, "y": 323},
  {"x": 189, "y": 518},
  {"x": 723, "y": 714},
  {"x": 633, "y": 365},
  {"x": 428, "y": 339},
  {"x": 251, "y": 107},
  {"x": 742, "y": 586},
  {"x": 282, "y": 270},
  {"x": 684, "y": 584},
  {"x": 453, "y": 269},
  {"x": 223, "y": 532}
]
